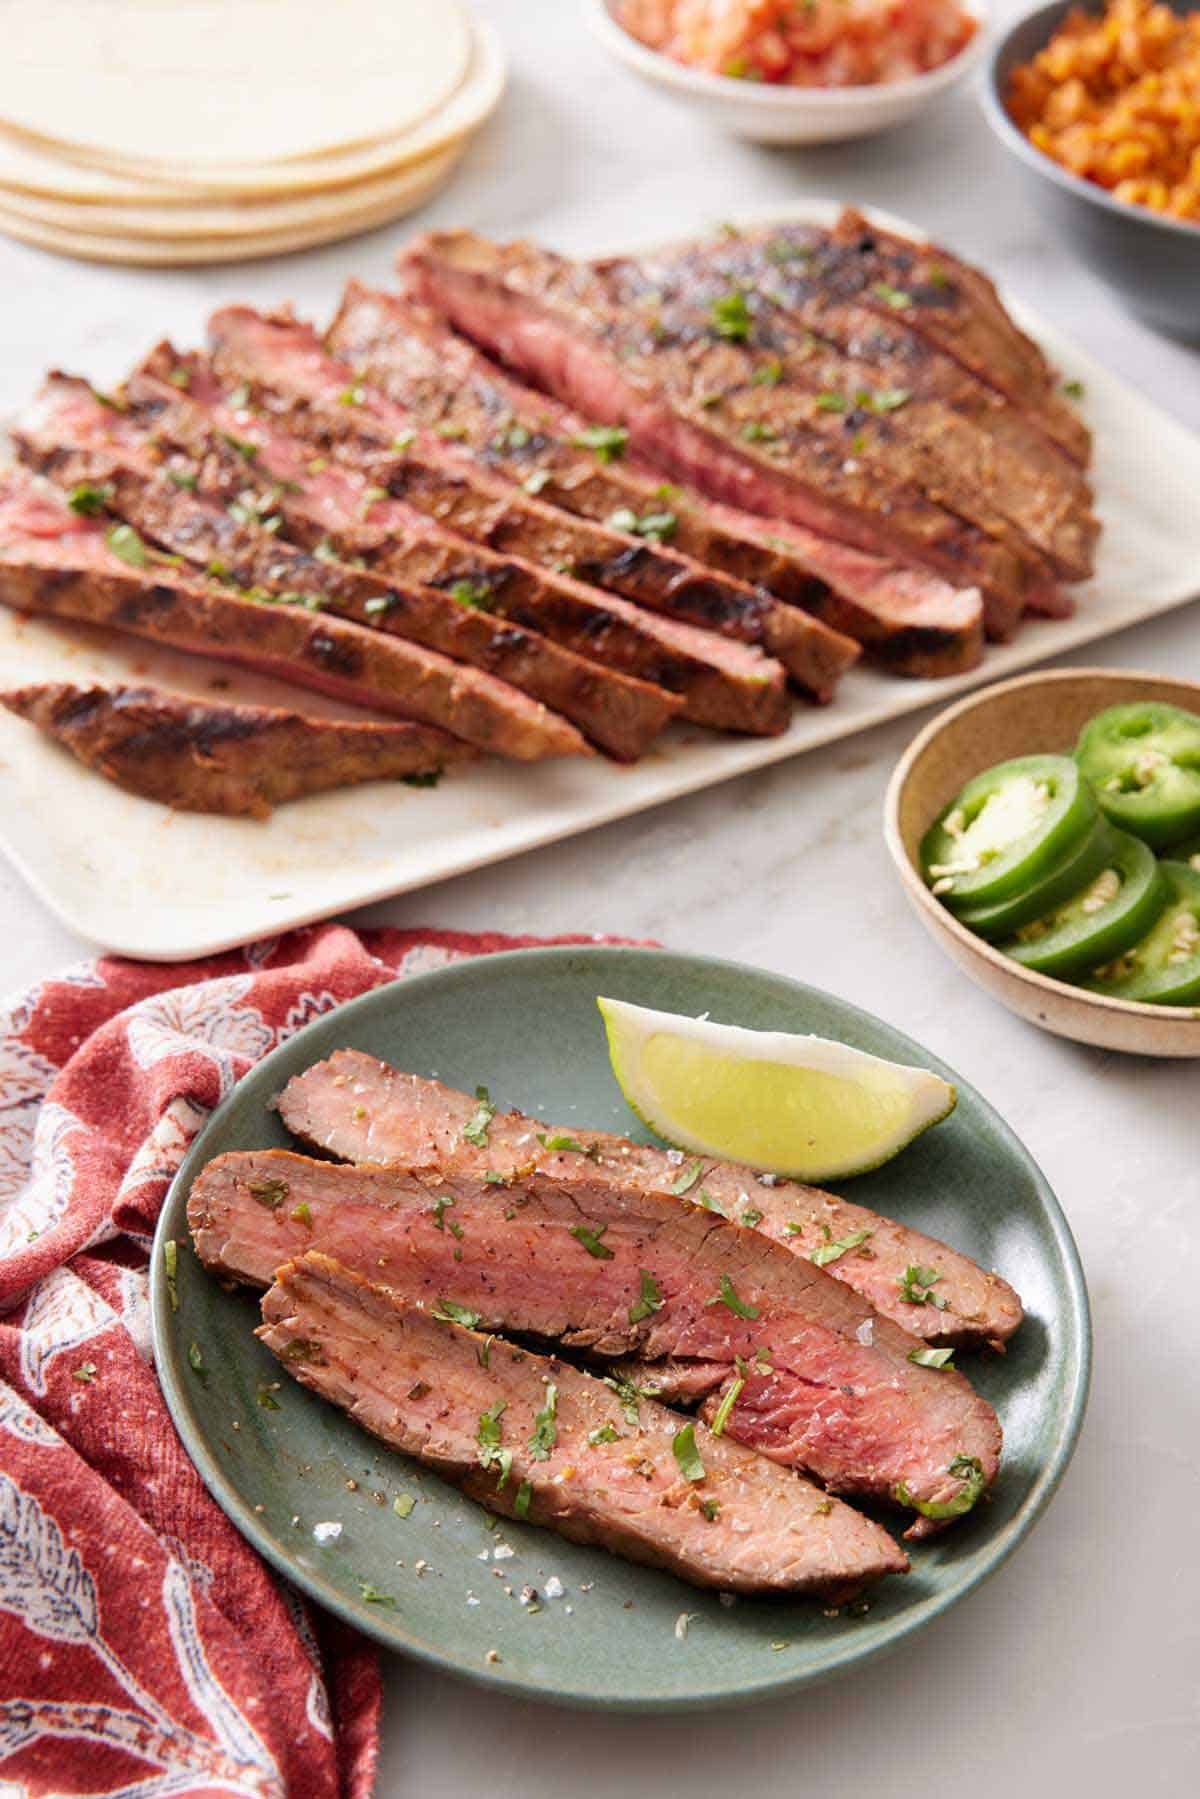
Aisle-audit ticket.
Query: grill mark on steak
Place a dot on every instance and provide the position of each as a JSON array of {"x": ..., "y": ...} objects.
[
  {"x": 421, "y": 1384},
  {"x": 957, "y": 441},
  {"x": 284, "y": 358},
  {"x": 204, "y": 756},
  {"x": 558, "y": 322},
  {"x": 74, "y": 438},
  {"x": 862, "y": 1418},
  {"x": 718, "y": 682},
  {"x": 357, "y": 1109},
  {"x": 52, "y": 562}
]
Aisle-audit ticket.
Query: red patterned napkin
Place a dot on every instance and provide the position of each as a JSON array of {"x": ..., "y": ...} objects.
[{"x": 144, "y": 1648}]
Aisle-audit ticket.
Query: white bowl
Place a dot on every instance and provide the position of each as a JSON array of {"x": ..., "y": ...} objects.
[{"x": 774, "y": 114}]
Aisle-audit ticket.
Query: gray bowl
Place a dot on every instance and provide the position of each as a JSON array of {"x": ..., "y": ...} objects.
[{"x": 1152, "y": 263}]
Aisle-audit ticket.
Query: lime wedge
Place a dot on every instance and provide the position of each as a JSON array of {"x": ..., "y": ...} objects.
[{"x": 800, "y": 1106}]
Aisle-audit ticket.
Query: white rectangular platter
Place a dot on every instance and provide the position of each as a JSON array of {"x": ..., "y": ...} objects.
[{"x": 143, "y": 881}]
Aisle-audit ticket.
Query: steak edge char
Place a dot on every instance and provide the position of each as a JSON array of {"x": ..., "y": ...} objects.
[
  {"x": 426, "y": 1385},
  {"x": 804, "y": 357},
  {"x": 357, "y": 1109},
  {"x": 239, "y": 761},
  {"x": 324, "y": 503},
  {"x": 558, "y": 323},
  {"x": 911, "y": 621},
  {"x": 671, "y": 1281},
  {"x": 74, "y": 439},
  {"x": 285, "y": 356},
  {"x": 56, "y": 564}
]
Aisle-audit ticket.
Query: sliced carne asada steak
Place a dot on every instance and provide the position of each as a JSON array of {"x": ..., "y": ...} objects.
[
  {"x": 205, "y": 756},
  {"x": 358, "y": 1109},
  {"x": 560, "y": 323},
  {"x": 957, "y": 308},
  {"x": 118, "y": 460},
  {"x": 600, "y": 1264},
  {"x": 912, "y": 621},
  {"x": 57, "y": 563},
  {"x": 337, "y": 510},
  {"x": 531, "y": 1437},
  {"x": 887, "y": 396},
  {"x": 281, "y": 357}
]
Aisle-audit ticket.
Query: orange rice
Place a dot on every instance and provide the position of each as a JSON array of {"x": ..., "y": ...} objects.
[
  {"x": 804, "y": 43},
  {"x": 1115, "y": 98}
]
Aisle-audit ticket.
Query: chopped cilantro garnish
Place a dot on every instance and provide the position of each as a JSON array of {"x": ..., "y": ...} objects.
[
  {"x": 1074, "y": 390},
  {"x": 372, "y": 1596},
  {"x": 170, "y": 1268},
  {"x": 686, "y": 1179},
  {"x": 683, "y": 1446},
  {"x": 430, "y": 778},
  {"x": 762, "y": 1361},
  {"x": 354, "y": 395},
  {"x": 270, "y": 1192},
  {"x": 649, "y": 1301},
  {"x": 534, "y": 482},
  {"x": 916, "y": 1287},
  {"x": 183, "y": 477},
  {"x": 711, "y": 1509},
  {"x": 769, "y": 375},
  {"x": 606, "y": 1433},
  {"x": 830, "y": 1252},
  {"x": 895, "y": 297},
  {"x": 731, "y": 316},
  {"x": 476, "y": 1128},
  {"x": 403, "y": 441},
  {"x": 246, "y": 450},
  {"x": 931, "y": 1358},
  {"x": 404, "y": 1505},
  {"x": 114, "y": 402},
  {"x": 721, "y": 1415},
  {"x": 827, "y": 401},
  {"x": 195, "y": 1358},
  {"x": 180, "y": 377},
  {"x": 85, "y": 1372},
  {"x": 628, "y": 1395},
  {"x": 658, "y": 526},
  {"x": 591, "y": 1241},
  {"x": 379, "y": 604},
  {"x": 452, "y": 433},
  {"x": 545, "y": 1430},
  {"x": 267, "y": 1400},
  {"x": 750, "y": 1217},
  {"x": 440, "y": 1222},
  {"x": 488, "y": 1436},
  {"x": 571, "y": 1145},
  {"x": 521, "y": 1502},
  {"x": 966, "y": 1468},
  {"x": 88, "y": 498},
  {"x": 472, "y": 594},
  {"x": 885, "y": 399},
  {"x": 450, "y": 1312},
  {"x": 124, "y": 542},
  {"x": 758, "y": 433},
  {"x": 704, "y": 1198},
  {"x": 727, "y": 1297},
  {"x": 607, "y": 441},
  {"x": 483, "y": 1353}
]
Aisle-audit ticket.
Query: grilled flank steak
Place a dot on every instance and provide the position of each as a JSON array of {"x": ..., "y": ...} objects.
[
  {"x": 336, "y": 509},
  {"x": 884, "y": 395},
  {"x": 564, "y": 324},
  {"x": 283, "y": 358},
  {"x": 531, "y": 1437},
  {"x": 115, "y": 460},
  {"x": 240, "y": 761},
  {"x": 603, "y": 1265},
  {"x": 358, "y": 1109},
  {"x": 911, "y": 620},
  {"x": 59, "y": 564}
]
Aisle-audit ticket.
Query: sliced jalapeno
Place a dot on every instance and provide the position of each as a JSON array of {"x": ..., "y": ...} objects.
[
  {"x": 1143, "y": 762},
  {"x": 1163, "y": 969},
  {"x": 1118, "y": 907},
  {"x": 1075, "y": 869},
  {"x": 1006, "y": 829}
]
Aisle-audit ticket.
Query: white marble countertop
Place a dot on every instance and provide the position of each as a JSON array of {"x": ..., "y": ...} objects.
[{"x": 1077, "y": 1668}]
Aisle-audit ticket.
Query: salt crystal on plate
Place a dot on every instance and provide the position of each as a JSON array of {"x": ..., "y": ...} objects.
[
  {"x": 866, "y": 1332},
  {"x": 326, "y": 1533},
  {"x": 554, "y": 1588}
]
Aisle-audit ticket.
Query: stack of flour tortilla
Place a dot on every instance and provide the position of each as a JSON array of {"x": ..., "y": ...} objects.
[{"x": 192, "y": 131}]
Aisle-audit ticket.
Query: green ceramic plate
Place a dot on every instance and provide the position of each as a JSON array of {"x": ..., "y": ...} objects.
[{"x": 526, "y": 1024}]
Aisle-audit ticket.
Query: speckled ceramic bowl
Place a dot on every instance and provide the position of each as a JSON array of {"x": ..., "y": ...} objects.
[
  {"x": 767, "y": 113},
  {"x": 1152, "y": 263},
  {"x": 1041, "y": 712}
]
